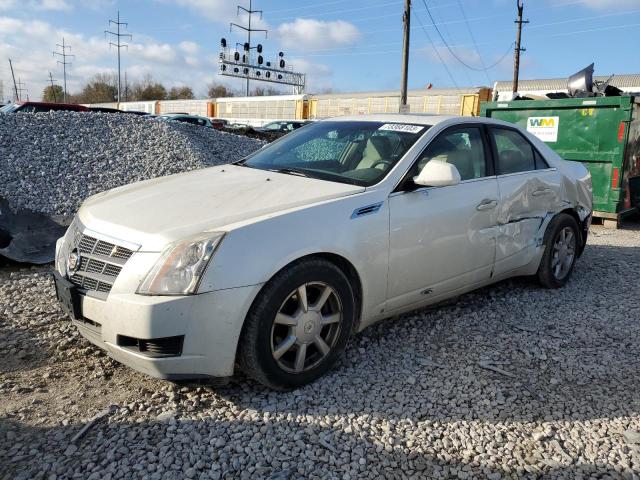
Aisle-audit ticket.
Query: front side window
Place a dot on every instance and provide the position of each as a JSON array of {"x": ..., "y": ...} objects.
[
  {"x": 514, "y": 153},
  {"x": 463, "y": 148},
  {"x": 360, "y": 153}
]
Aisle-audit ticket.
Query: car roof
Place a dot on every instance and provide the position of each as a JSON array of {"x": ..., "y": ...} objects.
[
  {"x": 420, "y": 119},
  {"x": 416, "y": 118}
]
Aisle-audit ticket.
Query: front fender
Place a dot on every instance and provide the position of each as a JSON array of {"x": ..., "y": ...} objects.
[{"x": 253, "y": 253}]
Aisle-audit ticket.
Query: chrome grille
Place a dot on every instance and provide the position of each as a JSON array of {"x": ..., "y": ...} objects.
[{"x": 100, "y": 263}]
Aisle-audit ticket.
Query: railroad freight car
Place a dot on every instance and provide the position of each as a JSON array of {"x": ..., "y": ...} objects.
[
  {"x": 439, "y": 101},
  {"x": 204, "y": 108},
  {"x": 152, "y": 107},
  {"x": 257, "y": 111}
]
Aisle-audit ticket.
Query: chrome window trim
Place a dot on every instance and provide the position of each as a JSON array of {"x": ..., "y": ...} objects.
[
  {"x": 426, "y": 189},
  {"x": 527, "y": 172}
]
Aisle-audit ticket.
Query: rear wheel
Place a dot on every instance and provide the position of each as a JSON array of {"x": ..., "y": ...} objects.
[
  {"x": 298, "y": 325},
  {"x": 561, "y": 251}
]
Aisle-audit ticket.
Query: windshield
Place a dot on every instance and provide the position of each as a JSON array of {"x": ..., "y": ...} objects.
[{"x": 360, "y": 153}]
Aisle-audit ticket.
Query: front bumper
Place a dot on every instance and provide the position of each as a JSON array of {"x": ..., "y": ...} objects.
[{"x": 210, "y": 324}]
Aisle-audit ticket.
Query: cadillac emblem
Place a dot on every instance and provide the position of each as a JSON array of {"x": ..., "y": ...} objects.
[{"x": 73, "y": 262}]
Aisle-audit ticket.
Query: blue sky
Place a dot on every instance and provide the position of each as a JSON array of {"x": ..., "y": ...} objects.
[{"x": 343, "y": 45}]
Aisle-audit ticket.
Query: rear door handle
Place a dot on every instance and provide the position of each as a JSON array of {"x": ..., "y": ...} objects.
[
  {"x": 541, "y": 192},
  {"x": 487, "y": 205}
]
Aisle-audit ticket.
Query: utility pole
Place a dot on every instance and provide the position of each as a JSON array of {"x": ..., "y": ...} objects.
[
  {"x": 15, "y": 86},
  {"x": 64, "y": 63},
  {"x": 118, "y": 44},
  {"x": 248, "y": 29},
  {"x": 406, "y": 20},
  {"x": 516, "y": 62},
  {"x": 53, "y": 88}
]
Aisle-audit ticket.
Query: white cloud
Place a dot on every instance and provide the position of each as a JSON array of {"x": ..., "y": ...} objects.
[
  {"x": 310, "y": 33},
  {"x": 222, "y": 11},
  {"x": 319, "y": 76},
  {"x": 35, "y": 5},
  {"x": 189, "y": 47},
  {"x": 29, "y": 43},
  {"x": 51, "y": 5},
  {"x": 7, "y": 4}
]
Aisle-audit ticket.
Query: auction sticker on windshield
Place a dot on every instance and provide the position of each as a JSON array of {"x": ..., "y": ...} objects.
[{"x": 402, "y": 127}]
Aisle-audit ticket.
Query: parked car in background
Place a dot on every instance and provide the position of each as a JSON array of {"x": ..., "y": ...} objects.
[
  {"x": 271, "y": 263},
  {"x": 38, "y": 107},
  {"x": 219, "y": 123},
  {"x": 281, "y": 126},
  {"x": 179, "y": 117}
]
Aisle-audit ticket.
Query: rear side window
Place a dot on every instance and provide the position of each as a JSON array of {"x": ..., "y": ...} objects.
[{"x": 514, "y": 153}]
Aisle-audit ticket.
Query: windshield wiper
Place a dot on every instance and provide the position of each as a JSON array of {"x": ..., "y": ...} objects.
[{"x": 291, "y": 171}]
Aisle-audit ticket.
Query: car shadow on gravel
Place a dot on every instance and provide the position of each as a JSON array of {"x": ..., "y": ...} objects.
[
  {"x": 549, "y": 375},
  {"x": 136, "y": 449}
]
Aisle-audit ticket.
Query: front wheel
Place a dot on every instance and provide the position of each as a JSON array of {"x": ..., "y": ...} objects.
[
  {"x": 560, "y": 254},
  {"x": 298, "y": 325}
]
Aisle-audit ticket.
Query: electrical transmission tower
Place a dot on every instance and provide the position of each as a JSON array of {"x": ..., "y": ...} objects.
[
  {"x": 64, "y": 55},
  {"x": 516, "y": 60},
  {"x": 21, "y": 89},
  {"x": 118, "y": 44},
  {"x": 248, "y": 29},
  {"x": 53, "y": 88}
]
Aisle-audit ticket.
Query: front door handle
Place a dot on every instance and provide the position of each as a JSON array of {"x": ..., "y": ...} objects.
[
  {"x": 541, "y": 192},
  {"x": 487, "y": 205}
]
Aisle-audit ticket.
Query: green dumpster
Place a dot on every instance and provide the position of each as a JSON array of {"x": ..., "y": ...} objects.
[{"x": 603, "y": 133}]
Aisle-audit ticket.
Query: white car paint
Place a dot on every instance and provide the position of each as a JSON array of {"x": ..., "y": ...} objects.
[{"x": 416, "y": 248}]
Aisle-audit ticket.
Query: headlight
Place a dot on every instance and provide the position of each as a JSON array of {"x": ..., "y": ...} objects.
[
  {"x": 181, "y": 265},
  {"x": 63, "y": 252}
]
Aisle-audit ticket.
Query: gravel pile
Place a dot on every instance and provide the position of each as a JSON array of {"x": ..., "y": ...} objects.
[
  {"x": 50, "y": 162},
  {"x": 511, "y": 381}
]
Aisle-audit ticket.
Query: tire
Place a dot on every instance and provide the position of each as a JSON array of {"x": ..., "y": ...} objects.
[
  {"x": 560, "y": 254},
  {"x": 277, "y": 318}
]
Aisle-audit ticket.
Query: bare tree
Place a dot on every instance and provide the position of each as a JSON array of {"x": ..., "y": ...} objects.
[
  {"x": 219, "y": 91},
  {"x": 180, "y": 93}
]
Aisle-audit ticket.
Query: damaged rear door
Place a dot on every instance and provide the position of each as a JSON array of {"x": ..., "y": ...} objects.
[{"x": 529, "y": 191}]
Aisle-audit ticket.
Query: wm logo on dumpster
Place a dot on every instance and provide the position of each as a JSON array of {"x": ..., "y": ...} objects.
[
  {"x": 542, "y": 122},
  {"x": 545, "y": 128}
]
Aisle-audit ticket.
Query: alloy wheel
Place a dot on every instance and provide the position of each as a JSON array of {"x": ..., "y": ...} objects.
[
  {"x": 306, "y": 327},
  {"x": 564, "y": 251}
]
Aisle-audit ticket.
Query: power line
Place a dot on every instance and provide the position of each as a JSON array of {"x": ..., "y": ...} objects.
[
  {"x": 64, "y": 55},
  {"x": 473, "y": 39},
  {"x": 453, "y": 80},
  {"x": 118, "y": 44},
  {"x": 449, "y": 47}
]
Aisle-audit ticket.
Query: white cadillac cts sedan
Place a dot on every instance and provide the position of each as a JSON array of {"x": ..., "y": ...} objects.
[{"x": 269, "y": 264}]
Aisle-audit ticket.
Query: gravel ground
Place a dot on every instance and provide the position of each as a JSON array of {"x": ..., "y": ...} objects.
[
  {"x": 511, "y": 381},
  {"x": 50, "y": 162}
]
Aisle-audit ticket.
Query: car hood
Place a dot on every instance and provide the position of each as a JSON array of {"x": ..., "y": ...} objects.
[{"x": 155, "y": 212}]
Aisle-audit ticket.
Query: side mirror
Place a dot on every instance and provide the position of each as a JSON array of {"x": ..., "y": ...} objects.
[{"x": 437, "y": 173}]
